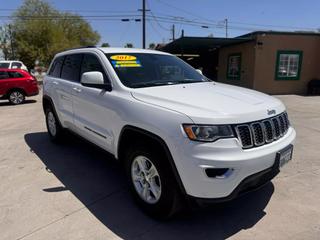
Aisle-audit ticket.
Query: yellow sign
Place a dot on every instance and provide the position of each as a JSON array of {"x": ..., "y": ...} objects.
[
  {"x": 123, "y": 57},
  {"x": 128, "y": 65}
]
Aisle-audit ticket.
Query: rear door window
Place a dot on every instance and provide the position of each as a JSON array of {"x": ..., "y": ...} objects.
[
  {"x": 71, "y": 67},
  {"x": 55, "y": 69},
  {"x": 4, "y": 75}
]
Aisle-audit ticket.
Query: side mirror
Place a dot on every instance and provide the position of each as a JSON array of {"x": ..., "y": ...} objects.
[
  {"x": 199, "y": 71},
  {"x": 94, "y": 80}
]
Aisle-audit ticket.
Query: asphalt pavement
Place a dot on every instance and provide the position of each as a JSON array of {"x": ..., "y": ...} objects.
[{"x": 77, "y": 191}]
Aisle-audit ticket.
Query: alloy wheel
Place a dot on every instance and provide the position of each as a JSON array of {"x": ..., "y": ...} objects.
[
  {"x": 52, "y": 123},
  {"x": 146, "y": 179},
  {"x": 16, "y": 97}
]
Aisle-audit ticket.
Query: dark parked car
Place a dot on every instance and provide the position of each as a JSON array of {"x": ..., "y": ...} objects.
[{"x": 16, "y": 84}]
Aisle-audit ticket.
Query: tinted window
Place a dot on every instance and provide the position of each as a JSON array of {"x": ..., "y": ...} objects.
[
  {"x": 16, "y": 65},
  {"x": 146, "y": 70},
  {"x": 15, "y": 75},
  {"x": 4, "y": 65},
  {"x": 55, "y": 69},
  {"x": 91, "y": 63},
  {"x": 3, "y": 75},
  {"x": 71, "y": 67}
]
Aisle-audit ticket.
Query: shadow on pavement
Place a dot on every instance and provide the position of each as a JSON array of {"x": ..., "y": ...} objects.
[
  {"x": 98, "y": 181},
  {"x": 7, "y": 103}
]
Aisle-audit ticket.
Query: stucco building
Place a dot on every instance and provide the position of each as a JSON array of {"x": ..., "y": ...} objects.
[{"x": 271, "y": 62}]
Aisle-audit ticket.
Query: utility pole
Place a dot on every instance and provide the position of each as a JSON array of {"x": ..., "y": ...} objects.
[
  {"x": 143, "y": 24},
  {"x": 144, "y": 10},
  {"x": 173, "y": 33},
  {"x": 226, "y": 25},
  {"x": 11, "y": 42}
]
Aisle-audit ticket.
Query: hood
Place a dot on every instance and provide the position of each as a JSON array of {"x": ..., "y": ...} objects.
[{"x": 212, "y": 103}]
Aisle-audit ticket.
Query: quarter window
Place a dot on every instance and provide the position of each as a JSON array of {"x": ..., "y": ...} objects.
[
  {"x": 234, "y": 67},
  {"x": 71, "y": 67},
  {"x": 288, "y": 65}
]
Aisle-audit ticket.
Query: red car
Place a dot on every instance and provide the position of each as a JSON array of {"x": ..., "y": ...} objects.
[{"x": 16, "y": 84}]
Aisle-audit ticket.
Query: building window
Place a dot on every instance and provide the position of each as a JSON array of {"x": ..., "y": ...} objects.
[
  {"x": 288, "y": 65},
  {"x": 234, "y": 67}
]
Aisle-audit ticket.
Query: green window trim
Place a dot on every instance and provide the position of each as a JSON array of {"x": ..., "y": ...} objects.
[
  {"x": 238, "y": 76},
  {"x": 279, "y": 53}
]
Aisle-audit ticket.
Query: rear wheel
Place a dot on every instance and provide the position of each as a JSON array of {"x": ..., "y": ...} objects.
[
  {"x": 16, "y": 97},
  {"x": 152, "y": 183},
  {"x": 54, "y": 128}
]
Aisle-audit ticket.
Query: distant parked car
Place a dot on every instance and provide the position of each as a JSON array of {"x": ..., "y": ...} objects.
[
  {"x": 13, "y": 65},
  {"x": 16, "y": 84},
  {"x": 314, "y": 87}
]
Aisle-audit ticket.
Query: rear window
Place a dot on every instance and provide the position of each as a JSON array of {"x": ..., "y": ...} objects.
[
  {"x": 4, "y": 65},
  {"x": 55, "y": 69},
  {"x": 71, "y": 67}
]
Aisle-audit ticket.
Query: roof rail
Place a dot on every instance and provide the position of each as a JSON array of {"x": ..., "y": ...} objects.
[{"x": 91, "y": 46}]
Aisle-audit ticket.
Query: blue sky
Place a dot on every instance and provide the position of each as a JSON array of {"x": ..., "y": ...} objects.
[{"x": 243, "y": 17}]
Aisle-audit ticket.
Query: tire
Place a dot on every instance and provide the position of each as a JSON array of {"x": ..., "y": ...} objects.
[
  {"x": 16, "y": 97},
  {"x": 54, "y": 127},
  {"x": 161, "y": 204}
]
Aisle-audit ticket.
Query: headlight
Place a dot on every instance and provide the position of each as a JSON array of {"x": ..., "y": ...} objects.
[{"x": 207, "y": 133}]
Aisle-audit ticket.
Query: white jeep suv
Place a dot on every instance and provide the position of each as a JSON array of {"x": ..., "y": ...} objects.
[{"x": 179, "y": 135}]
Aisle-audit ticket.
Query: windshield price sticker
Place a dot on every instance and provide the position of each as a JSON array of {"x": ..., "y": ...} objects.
[
  {"x": 123, "y": 57},
  {"x": 125, "y": 61}
]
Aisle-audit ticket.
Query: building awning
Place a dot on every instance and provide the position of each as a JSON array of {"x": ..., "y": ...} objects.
[{"x": 198, "y": 45}]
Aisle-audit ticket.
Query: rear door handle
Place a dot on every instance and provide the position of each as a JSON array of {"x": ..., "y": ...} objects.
[
  {"x": 55, "y": 82},
  {"x": 78, "y": 90}
]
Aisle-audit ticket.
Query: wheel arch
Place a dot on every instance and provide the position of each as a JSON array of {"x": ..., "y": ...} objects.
[
  {"x": 48, "y": 102},
  {"x": 129, "y": 132},
  {"x": 15, "y": 89}
]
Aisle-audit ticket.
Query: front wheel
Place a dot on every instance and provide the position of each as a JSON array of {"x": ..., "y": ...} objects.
[
  {"x": 16, "y": 97},
  {"x": 152, "y": 183}
]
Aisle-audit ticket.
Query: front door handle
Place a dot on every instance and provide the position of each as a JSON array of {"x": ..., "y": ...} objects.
[
  {"x": 78, "y": 90},
  {"x": 55, "y": 82}
]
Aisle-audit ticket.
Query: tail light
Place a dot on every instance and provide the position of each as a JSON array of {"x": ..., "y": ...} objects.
[{"x": 33, "y": 81}]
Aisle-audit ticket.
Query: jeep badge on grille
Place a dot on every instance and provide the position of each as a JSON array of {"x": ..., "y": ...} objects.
[{"x": 270, "y": 112}]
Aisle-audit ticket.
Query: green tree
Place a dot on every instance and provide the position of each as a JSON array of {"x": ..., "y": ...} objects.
[
  {"x": 40, "y": 31},
  {"x": 128, "y": 45},
  {"x": 152, "y": 46},
  {"x": 105, "y": 45}
]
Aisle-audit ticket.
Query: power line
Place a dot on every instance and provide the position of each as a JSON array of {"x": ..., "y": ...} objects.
[
  {"x": 155, "y": 18},
  {"x": 182, "y": 10},
  {"x": 158, "y": 19},
  {"x": 179, "y": 19},
  {"x": 155, "y": 30}
]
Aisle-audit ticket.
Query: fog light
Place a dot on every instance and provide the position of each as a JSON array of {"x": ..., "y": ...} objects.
[{"x": 217, "y": 172}]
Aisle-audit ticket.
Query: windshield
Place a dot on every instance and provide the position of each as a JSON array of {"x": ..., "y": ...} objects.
[
  {"x": 4, "y": 65},
  {"x": 137, "y": 70}
]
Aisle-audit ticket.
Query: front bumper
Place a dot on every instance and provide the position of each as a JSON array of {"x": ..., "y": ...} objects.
[
  {"x": 251, "y": 183},
  {"x": 250, "y": 168}
]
